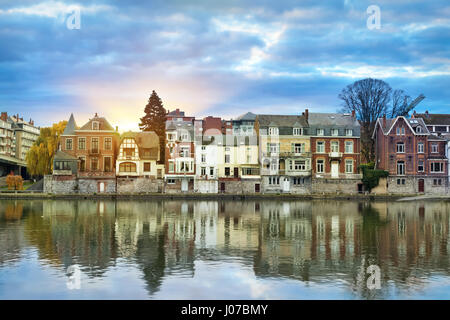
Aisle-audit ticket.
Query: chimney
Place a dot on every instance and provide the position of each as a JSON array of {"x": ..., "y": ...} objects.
[
  {"x": 4, "y": 116},
  {"x": 426, "y": 113},
  {"x": 413, "y": 115},
  {"x": 306, "y": 114},
  {"x": 353, "y": 113},
  {"x": 384, "y": 120}
]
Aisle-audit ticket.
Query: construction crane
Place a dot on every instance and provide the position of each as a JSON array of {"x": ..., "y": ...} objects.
[{"x": 414, "y": 103}]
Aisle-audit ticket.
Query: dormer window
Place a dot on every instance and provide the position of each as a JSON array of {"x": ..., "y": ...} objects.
[
  {"x": 95, "y": 125},
  {"x": 297, "y": 131},
  {"x": 320, "y": 132},
  {"x": 419, "y": 129},
  {"x": 273, "y": 131},
  {"x": 348, "y": 132},
  {"x": 334, "y": 132}
]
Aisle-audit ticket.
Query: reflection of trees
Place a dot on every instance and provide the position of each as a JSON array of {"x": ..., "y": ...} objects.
[{"x": 75, "y": 232}]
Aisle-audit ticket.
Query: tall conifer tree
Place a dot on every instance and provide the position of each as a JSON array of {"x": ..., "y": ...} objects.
[{"x": 155, "y": 120}]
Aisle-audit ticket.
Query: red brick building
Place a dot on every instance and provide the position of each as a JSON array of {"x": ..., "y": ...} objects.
[{"x": 414, "y": 158}]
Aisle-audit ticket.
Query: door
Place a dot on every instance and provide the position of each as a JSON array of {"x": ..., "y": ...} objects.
[
  {"x": 101, "y": 187},
  {"x": 236, "y": 172},
  {"x": 335, "y": 169},
  {"x": 222, "y": 187},
  {"x": 286, "y": 184},
  {"x": 257, "y": 186},
  {"x": 184, "y": 185},
  {"x": 421, "y": 186}
]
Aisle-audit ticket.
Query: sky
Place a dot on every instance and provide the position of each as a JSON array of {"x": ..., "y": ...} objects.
[{"x": 219, "y": 58}]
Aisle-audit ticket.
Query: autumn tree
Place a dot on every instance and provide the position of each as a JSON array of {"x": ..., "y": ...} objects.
[
  {"x": 372, "y": 99},
  {"x": 14, "y": 182},
  {"x": 155, "y": 120},
  {"x": 40, "y": 156}
]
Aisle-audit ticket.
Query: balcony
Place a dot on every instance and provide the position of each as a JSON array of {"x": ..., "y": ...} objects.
[
  {"x": 335, "y": 155},
  {"x": 287, "y": 154}
]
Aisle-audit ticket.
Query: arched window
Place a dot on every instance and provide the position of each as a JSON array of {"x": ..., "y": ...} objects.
[{"x": 127, "y": 167}]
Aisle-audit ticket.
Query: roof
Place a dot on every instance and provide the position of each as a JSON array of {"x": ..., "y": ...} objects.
[
  {"x": 70, "y": 127},
  {"x": 387, "y": 124},
  {"x": 61, "y": 155},
  {"x": 332, "y": 119},
  {"x": 436, "y": 138},
  {"x": 266, "y": 120},
  {"x": 103, "y": 124},
  {"x": 247, "y": 116},
  {"x": 144, "y": 139},
  {"x": 434, "y": 118}
]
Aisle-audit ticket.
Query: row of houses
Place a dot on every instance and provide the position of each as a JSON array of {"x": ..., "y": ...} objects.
[{"x": 309, "y": 153}]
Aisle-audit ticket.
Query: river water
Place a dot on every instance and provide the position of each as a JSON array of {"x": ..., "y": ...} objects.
[{"x": 105, "y": 249}]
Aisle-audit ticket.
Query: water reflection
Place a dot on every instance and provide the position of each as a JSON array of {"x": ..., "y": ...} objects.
[{"x": 320, "y": 246}]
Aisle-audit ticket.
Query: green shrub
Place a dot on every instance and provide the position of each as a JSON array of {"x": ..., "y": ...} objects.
[{"x": 371, "y": 177}]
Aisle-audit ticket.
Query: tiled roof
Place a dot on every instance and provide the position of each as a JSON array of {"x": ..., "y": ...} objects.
[
  {"x": 281, "y": 120},
  {"x": 247, "y": 116},
  {"x": 434, "y": 119},
  {"x": 61, "y": 155},
  {"x": 103, "y": 124},
  {"x": 331, "y": 119},
  {"x": 71, "y": 126}
]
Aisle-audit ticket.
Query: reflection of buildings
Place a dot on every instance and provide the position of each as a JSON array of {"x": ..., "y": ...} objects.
[{"x": 313, "y": 241}]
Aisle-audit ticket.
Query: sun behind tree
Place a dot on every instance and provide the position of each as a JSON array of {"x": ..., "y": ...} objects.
[{"x": 155, "y": 120}]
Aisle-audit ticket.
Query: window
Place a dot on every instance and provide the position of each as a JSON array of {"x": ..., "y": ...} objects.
[
  {"x": 400, "y": 147},
  {"x": 420, "y": 147},
  {"x": 94, "y": 164},
  {"x": 128, "y": 153},
  {"x": 170, "y": 137},
  {"x": 170, "y": 181},
  {"x": 203, "y": 171},
  {"x": 81, "y": 143},
  {"x": 401, "y": 181},
  {"x": 297, "y": 131},
  {"x": 185, "y": 151},
  {"x": 68, "y": 144},
  {"x": 434, "y": 148},
  {"x": 62, "y": 165},
  {"x": 227, "y": 171},
  {"x": 82, "y": 164},
  {"x": 272, "y": 147},
  {"x": 227, "y": 148},
  {"x": 320, "y": 166},
  {"x": 437, "y": 167},
  {"x": 418, "y": 129},
  {"x": 349, "y": 132},
  {"x": 348, "y": 146},
  {"x": 348, "y": 166},
  {"x": 147, "y": 167},
  {"x": 299, "y": 147},
  {"x": 334, "y": 132},
  {"x": 227, "y": 158},
  {"x": 171, "y": 166},
  {"x": 94, "y": 147},
  {"x": 400, "y": 131},
  {"x": 274, "y": 180},
  {"x": 420, "y": 166},
  {"x": 320, "y": 146},
  {"x": 95, "y": 125},
  {"x": 107, "y": 164},
  {"x": 400, "y": 167},
  {"x": 274, "y": 166},
  {"x": 320, "y": 132},
  {"x": 184, "y": 137},
  {"x": 203, "y": 157},
  {"x": 108, "y": 143},
  {"x": 211, "y": 171},
  {"x": 437, "y": 182},
  {"x": 300, "y": 165},
  {"x": 273, "y": 131},
  {"x": 334, "y": 146},
  {"x": 249, "y": 158},
  {"x": 203, "y": 148}
]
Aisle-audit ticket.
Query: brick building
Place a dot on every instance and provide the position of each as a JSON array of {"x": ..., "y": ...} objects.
[{"x": 414, "y": 158}]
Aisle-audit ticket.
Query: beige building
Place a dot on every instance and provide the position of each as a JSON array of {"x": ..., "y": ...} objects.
[{"x": 25, "y": 134}]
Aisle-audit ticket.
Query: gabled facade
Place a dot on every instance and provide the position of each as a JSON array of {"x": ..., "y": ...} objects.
[
  {"x": 94, "y": 146},
  {"x": 138, "y": 155},
  {"x": 414, "y": 158},
  {"x": 284, "y": 153}
]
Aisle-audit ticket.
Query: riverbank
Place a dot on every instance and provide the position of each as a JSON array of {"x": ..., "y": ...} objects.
[{"x": 206, "y": 196}]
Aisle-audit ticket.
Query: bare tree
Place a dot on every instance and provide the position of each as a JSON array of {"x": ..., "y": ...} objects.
[
  {"x": 372, "y": 99},
  {"x": 369, "y": 98}
]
